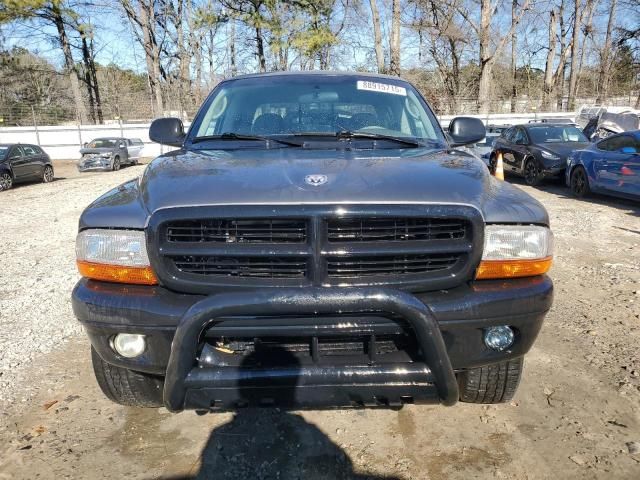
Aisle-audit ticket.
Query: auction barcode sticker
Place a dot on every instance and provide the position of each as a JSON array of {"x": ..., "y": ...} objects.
[{"x": 381, "y": 87}]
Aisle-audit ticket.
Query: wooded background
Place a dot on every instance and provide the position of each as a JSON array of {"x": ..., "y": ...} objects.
[{"x": 102, "y": 61}]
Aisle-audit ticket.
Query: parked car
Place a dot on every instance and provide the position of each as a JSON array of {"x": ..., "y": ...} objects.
[
  {"x": 610, "y": 166},
  {"x": 537, "y": 151},
  {"x": 484, "y": 148},
  {"x": 110, "y": 153},
  {"x": 23, "y": 163},
  {"x": 314, "y": 240}
]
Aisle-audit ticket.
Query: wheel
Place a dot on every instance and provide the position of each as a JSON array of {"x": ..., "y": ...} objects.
[
  {"x": 134, "y": 161},
  {"x": 495, "y": 383},
  {"x": 47, "y": 174},
  {"x": 116, "y": 164},
  {"x": 579, "y": 182},
  {"x": 532, "y": 174},
  {"x": 125, "y": 386},
  {"x": 6, "y": 181}
]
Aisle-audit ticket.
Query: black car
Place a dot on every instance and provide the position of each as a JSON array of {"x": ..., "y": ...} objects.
[
  {"x": 314, "y": 240},
  {"x": 23, "y": 163},
  {"x": 537, "y": 151}
]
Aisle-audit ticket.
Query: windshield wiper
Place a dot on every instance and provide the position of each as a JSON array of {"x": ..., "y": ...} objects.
[
  {"x": 348, "y": 134},
  {"x": 240, "y": 136}
]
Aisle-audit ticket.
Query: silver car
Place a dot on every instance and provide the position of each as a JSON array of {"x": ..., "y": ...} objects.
[{"x": 110, "y": 153}]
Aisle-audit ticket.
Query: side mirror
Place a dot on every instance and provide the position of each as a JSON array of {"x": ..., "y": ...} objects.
[
  {"x": 466, "y": 130},
  {"x": 167, "y": 131},
  {"x": 85, "y": 144}
]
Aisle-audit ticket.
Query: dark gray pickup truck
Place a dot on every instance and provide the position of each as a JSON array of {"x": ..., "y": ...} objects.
[{"x": 315, "y": 241}]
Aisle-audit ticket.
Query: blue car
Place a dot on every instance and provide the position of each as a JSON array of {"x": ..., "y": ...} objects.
[{"x": 610, "y": 166}]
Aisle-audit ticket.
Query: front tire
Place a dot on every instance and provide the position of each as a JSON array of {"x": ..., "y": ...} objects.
[
  {"x": 6, "y": 181},
  {"x": 127, "y": 387},
  {"x": 495, "y": 383},
  {"x": 116, "y": 164},
  {"x": 579, "y": 182},
  {"x": 47, "y": 174},
  {"x": 532, "y": 173}
]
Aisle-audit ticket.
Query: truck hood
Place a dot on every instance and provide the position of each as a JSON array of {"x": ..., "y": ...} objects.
[{"x": 280, "y": 176}]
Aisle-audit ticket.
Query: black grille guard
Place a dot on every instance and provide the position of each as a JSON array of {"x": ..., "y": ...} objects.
[{"x": 310, "y": 301}]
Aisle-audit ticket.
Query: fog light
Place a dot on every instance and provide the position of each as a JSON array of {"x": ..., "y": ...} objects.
[
  {"x": 499, "y": 338},
  {"x": 128, "y": 345}
]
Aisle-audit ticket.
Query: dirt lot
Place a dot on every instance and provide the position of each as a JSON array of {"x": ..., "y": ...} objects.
[{"x": 576, "y": 414}]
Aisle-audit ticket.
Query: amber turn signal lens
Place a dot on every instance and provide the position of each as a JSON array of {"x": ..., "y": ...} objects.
[
  {"x": 117, "y": 273},
  {"x": 512, "y": 268}
]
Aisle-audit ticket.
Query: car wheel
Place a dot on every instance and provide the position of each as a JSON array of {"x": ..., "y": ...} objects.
[
  {"x": 116, "y": 164},
  {"x": 47, "y": 174},
  {"x": 579, "y": 182},
  {"x": 125, "y": 386},
  {"x": 495, "y": 383},
  {"x": 134, "y": 161},
  {"x": 532, "y": 174},
  {"x": 6, "y": 181}
]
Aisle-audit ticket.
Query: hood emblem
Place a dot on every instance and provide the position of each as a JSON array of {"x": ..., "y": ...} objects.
[{"x": 316, "y": 179}]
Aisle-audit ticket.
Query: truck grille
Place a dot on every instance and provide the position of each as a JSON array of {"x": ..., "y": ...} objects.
[
  {"x": 237, "y": 231},
  {"x": 359, "y": 266},
  {"x": 394, "y": 229},
  {"x": 247, "y": 267},
  {"x": 417, "y": 248}
]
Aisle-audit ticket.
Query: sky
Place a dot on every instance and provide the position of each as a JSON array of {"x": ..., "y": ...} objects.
[{"x": 116, "y": 42}]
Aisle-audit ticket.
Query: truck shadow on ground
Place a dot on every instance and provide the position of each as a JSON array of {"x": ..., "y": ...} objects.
[{"x": 269, "y": 443}]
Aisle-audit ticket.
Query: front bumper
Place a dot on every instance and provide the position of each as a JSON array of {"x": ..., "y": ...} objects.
[
  {"x": 448, "y": 326},
  {"x": 95, "y": 165}
]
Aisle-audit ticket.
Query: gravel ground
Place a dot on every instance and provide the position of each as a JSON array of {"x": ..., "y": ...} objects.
[
  {"x": 576, "y": 414},
  {"x": 37, "y": 254}
]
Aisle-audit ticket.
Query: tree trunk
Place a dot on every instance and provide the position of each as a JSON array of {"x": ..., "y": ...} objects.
[
  {"x": 232, "y": 48},
  {"x": 560, "y": 80},
  {"x": 484, "y": 85},
  {"x": 394, "y": 53},
  {"x": 69, "y": 63},
  {"x": 377, "y": 35},
  {"x": 260, "y": 50},
  {"x": 573, "y": 72},
  {"x": 146, "y": 20},
  {"x": 604, "y": 76},
  {"x": 96, "y": 87},
  {"x": 514, "y": 41},
  {"x": 87, "y": 78},
  {"x": 549, "y": 84}
]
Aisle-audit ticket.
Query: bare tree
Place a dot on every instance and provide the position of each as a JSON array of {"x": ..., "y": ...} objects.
[
  {"x": 394, "y": 43},
  {"x": 377, "y": 35},
  {"x": 488, "y": 56},
  {"x": 604, "y": 75},
  {"x": 142, "y": 15}
]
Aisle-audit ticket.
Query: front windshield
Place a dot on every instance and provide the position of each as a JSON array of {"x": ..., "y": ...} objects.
[
  {"x": 556, "y": 134},
  {"x": 316, "y": 105},
  {"x": 103, "y": 143}
]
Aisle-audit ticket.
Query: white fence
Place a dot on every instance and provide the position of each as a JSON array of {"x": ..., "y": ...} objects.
[{"x": 64, "y": 142}]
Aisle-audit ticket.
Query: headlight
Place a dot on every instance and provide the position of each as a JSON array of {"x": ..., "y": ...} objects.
[
  {"x": 515, "y": 251},
  {"x": 114, "y": 256},
  {"x": 549, "y": 155}
]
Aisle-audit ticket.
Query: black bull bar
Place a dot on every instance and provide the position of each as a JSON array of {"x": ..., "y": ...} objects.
[{"x": 181, "y": 376}]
